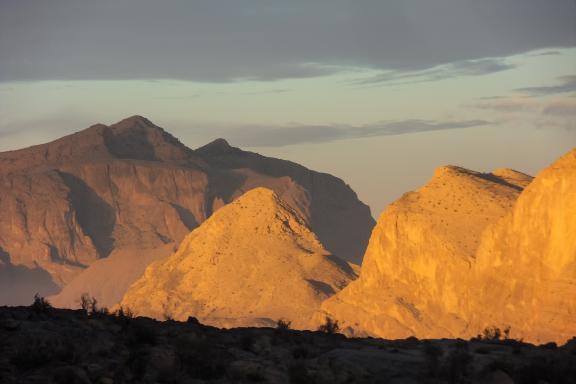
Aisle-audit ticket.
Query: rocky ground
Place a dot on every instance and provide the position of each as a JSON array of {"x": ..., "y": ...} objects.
[{"x": 40, "y": 344}]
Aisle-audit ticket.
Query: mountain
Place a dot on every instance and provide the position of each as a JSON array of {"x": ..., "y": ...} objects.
[
  {"x": 106, "y": 201},
  {"x": 526, "y": 264},
  {"x": 254, "y": 261},
  {"x": 414, "y": 278}
]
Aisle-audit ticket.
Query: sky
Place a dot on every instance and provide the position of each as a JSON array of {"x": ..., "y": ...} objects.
[{"x": 376, "y": 92}]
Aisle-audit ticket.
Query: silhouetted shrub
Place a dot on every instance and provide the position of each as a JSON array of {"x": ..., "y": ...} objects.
[
  {"x": 87, "y": 303},
  {"x": 41, "y": 305},
  {"x": 123, "y": 316},
  {"x": 495, "y": 333},
  {"x": 124, "y": 313},
  {"x": 283, "y": 325},
  {"x": 90, "y": 305},
  {"x": 330, "y": 326}
]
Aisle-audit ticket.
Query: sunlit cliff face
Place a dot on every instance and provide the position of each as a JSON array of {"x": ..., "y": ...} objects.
[
  {"x": 253, "y": 262},
  {"x": 470, "y": 251}
]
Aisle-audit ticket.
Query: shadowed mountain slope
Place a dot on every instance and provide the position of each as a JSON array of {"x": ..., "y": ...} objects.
[{"x": 84, "y": 204}]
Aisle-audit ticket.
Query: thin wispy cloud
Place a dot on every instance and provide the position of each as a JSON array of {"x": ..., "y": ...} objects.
[
  {"x": 261, "y": 136},
  {"x": 542, "y": 113},
  {"x": 566, "y": 108},
  {"x": 566, "y": 84},
  {"x": 446, "y": 71},
  {"x": 508, "y": 104},
  {"x": 545, "y": 53}
]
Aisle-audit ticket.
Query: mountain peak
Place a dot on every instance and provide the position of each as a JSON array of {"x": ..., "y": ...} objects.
[
  {"x": 253, "y": 250},
  {"x": 136, "y": 119},
  {"x": 452, "y": 171},
  {"x": 138, "y": 138},
  {"x": 216, "y": 147},
  {"x": 512, "y": 177},
  {"x": 137, "y": 125}
]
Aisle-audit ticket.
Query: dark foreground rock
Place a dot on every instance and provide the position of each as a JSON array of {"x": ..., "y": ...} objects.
[{"x": 40, "y": 344}]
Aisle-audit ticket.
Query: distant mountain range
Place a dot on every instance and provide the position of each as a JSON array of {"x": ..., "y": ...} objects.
[
  {"x": 129, "y": 215},
  {"x": 88, "y": 212}
]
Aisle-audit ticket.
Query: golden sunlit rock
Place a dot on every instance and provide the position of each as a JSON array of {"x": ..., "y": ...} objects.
[
  {"x": 415, "y": 272},
  {"x": 526, "y": 264},
  {"x": 461, "y": 255},
  {"x": 253, "y": 262}
]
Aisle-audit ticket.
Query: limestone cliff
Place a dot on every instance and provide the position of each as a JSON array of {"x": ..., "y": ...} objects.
[
  {"x": 415, "y": 273},
  {"x": 526, "y": 264},
  {"x": 110, "y": 199},
  {"x": 251, "y": 263}
]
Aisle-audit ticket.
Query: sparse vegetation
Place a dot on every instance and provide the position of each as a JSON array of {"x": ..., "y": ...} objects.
[
  {"x": 90, "y": 305},
  {"x": 124, "y": 313},
  {"x": 283, "y": 325},
  {"x": 494, "y": 334},
  {"x": 40, "y": 305},
  {"x": 330, "y": 326}
]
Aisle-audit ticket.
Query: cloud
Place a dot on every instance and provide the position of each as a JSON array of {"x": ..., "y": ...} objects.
[
  {"x": 565, "y": 108},
  {"x": 556, "y": 112},
  {"x": 509, "y": 104},
  {"x": 228, "y": 40},
  {"x": 566, "y": 84},
  {"x": 545, "y": 53},
  {"x": 260, "y": 136},
  {"x": 441, "y": 72},
  {"x": 559, "y": 106}
]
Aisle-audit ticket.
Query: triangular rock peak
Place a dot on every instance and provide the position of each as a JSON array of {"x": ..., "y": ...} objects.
[{"x": 253, "y": 262}]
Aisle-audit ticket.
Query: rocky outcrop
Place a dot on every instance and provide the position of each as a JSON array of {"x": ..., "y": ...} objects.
[
  {"x": 253, "y": 262},
  {"x": 82, "y": 206},
  {"x": 526, "y": 264},
  {"x": 414, "y": 278},
  {"x": 341, "y": 222},
  {"x": 468, "y": 252}
]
